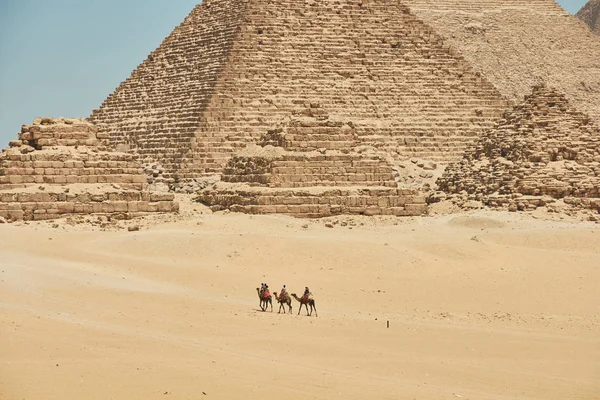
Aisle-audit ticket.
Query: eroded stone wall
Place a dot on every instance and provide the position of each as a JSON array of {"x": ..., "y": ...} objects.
[{"x": 316, "y": 202}]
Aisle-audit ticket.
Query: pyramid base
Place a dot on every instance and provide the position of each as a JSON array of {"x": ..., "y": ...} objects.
[
  {"x": 31, "y": 204},
  {"x": 315, "y": 202},
  {"x": 530, "y": 203}
]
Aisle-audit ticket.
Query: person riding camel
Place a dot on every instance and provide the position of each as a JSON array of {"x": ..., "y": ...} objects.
[
  {"x": 307, "y": 293},
  {"x": 265, "y": 291},
  {"x": 283, "y": 293}
]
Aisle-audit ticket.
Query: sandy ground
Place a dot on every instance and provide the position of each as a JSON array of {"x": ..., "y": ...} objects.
[{"x": 481, "y": 306}]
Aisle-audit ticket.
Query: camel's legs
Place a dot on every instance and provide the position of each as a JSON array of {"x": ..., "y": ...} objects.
[{"x": 315, "y": 306}]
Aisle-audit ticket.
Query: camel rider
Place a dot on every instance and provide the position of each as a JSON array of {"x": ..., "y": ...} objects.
[
  {"x": 307, "y": 293},
  {"x": 266, "y": 292},
  {"x": 283, "y": 293}
]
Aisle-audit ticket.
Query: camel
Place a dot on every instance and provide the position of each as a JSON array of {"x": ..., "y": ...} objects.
[
  {"x": 283, "y": 301},
  {"x": 306, "y": 302},
  {"x": 264, "y": 300}
]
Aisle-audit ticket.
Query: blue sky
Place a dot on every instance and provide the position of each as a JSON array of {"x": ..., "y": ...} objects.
[{"x": 64, "y": 57}]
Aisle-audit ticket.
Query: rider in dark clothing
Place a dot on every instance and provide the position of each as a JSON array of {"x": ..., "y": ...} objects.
[{"x": 307, "y": 292}]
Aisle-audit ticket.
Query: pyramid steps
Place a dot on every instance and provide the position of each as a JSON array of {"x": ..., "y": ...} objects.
[
  {"x": 315, "y": 202},
  {"x": 62, "y": 167},
  {"x": 236, "y": 68}
]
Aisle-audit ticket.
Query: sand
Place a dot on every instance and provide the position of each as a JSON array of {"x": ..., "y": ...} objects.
[{"x": 484, "y": 305}]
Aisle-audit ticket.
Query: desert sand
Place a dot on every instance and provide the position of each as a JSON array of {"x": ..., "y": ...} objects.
[{"x": 482, "y": 305}]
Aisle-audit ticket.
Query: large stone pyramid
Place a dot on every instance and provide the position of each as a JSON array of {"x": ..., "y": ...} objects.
[
  {"x": 517, "y": 44},
  {"x": 306, "y": 107},
  {"x": 235, "y": 69},
  {"x": 590, "y": 14},
  {"x": 542, "y": 150}
]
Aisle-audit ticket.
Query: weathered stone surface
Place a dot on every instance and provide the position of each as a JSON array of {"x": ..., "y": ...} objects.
[
  {"x": 590, "y": 14},
  {"x": 315, "y": 202},
  {"x": 517, "y": 44},
  {"x": 70, "y": 170},
  {"x": 237, "y": 69},
  {"x": 316, "y": 170},
  {"x": 542, "y": 150}
]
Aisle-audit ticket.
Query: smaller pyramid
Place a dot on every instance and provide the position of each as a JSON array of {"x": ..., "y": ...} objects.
[
  {"x": 65, "y": 167},
  {"x": 311, "y": 166},
  {"x": 590, "y": 14},
  {"x": 542, "y": 148}
]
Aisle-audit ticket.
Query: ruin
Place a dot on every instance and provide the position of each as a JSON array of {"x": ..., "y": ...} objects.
[
  {"x": 384, "y": 82},
  {"x": 235, "y": 69},
  {"x": 64, "y": 167},
  {"x": 312, "y": 167},
  {"x": 541, "y": 151},
  {"x": 590, "y": 14},
  {"x": 313, "y": 108}
]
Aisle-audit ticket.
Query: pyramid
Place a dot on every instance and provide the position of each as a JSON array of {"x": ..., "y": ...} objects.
[
  {"x": 517, "y": 44},
  {"x": 590, "y": 14},
  {"x": 540, "y": 151},
  {"x": 63, "y": 167},
  {"x": 236, "y": 69},
  {"x": 311, "y": 167}
]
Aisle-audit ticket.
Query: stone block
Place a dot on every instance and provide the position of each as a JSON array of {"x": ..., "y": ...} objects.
[
  {"x": 416, "y": 209},
  {"x": 120, "y": 206}
]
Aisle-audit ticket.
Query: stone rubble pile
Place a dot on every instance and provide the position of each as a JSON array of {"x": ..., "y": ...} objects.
[{"x": 541, "y": 151}]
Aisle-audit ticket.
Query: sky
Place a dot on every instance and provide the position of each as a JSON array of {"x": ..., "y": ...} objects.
[{"x": 62, "y": 58}]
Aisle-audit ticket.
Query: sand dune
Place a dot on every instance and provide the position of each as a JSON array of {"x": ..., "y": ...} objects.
[{"x": 481, "y": 306}]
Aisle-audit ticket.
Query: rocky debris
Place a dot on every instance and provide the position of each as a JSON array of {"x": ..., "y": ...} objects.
[
  {"x": 133, "y": 228},
  {"x": 194, "y": 185},
  {"x": 158, "y": 181},
  {"x": 418, "y": 174},
  {"x": 539, "y": 152}
]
